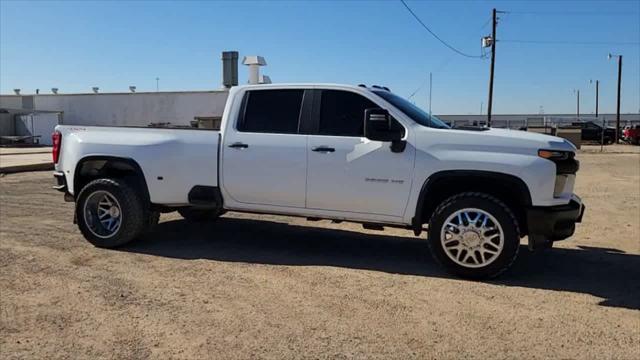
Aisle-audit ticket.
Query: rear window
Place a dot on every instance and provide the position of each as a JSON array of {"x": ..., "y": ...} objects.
[{"x": 271, "y": 111}]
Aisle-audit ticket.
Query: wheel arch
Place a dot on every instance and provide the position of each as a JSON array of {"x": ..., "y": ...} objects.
[
  {"x": 96, "y": 166},
  {"x": 510, "y": 189}
]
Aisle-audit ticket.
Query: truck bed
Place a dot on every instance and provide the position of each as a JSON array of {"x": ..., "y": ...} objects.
[{"x": 172, "y": 160}]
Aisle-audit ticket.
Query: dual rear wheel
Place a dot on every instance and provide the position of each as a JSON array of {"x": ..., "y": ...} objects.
[{"x": 111, "y": 212}]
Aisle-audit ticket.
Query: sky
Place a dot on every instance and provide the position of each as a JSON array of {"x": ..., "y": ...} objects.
[{"x": 74, "y": 45}]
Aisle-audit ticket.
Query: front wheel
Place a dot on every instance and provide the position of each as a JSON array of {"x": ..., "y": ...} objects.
[
  {"x": 474, "y": 235},
  {"x": 110, "y": 213}
]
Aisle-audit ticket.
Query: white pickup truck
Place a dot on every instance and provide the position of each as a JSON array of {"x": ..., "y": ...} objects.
[{"x": 353, "y": 153}]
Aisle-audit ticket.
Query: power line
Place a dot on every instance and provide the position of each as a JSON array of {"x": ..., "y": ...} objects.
[
  {"x": 574, "y": 13},
  {"x": 436, "y": 36},
  {"x": 446, "y": 62},
  {"x": 569, "y": 42},
  {"x": 436, "y": 70},
  {"x": 486, "y": 23}
]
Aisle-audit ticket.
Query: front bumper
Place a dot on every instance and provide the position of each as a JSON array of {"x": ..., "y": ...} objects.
[{"x": 553, "y": 223}]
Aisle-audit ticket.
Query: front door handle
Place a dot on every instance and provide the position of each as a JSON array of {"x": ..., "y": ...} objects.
[
  {"x": 238, "y": 145},
  {"x": 323, "y": 149}
]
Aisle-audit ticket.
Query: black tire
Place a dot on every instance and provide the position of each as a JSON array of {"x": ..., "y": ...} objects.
[
  {"x": 199, "y": 215},
  {"x": 132, "y": 214},
  {"x": 490, "y": 205}
]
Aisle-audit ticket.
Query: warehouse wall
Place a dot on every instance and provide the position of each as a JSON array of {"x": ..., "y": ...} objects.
[
  {"x": 7, "y": 124},
  {"x": 133, "y": 109},
  {"x": 10, "y": 102}
]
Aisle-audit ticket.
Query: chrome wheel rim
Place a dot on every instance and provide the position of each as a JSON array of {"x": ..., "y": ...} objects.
[
  {"x": 102, "y": 214},
  {"x": 472, "y": 238}
]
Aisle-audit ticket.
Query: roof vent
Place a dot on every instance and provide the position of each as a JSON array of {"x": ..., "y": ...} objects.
[
  {"x": 54, "y": 90},
  {"x": 95, "y": 89},
  {"x": 254, "y": 62},
  {"x": 229, "y": 69},
  {"x": 17, "y": 91},
  {"x": 132, "y": 89},
  {"x": 265, "y": 79}
]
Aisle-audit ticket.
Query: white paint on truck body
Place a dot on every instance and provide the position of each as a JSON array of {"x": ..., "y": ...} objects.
[
  {"x": 182, "y": 158},
  {"x": 279, "y": 173}
]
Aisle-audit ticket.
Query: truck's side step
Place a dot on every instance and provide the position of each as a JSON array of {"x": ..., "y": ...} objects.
[
  {"x": 370, "y": 226},
  {"x": 208, "y": 196}
]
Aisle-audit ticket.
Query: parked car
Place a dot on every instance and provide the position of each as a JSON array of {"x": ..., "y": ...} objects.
[
  {"x": 631, "y": 134},
  {"x": 591, "y": 131},
  {"x": 336, "y": 152}
]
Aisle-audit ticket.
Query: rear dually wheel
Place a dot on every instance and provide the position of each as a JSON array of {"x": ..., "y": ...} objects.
[{"x": 110, "y": 213}]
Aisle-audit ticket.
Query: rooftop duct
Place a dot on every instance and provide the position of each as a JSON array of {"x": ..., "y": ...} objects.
[
  {"x": 229, "y": 69},
  {"x": 254, "y": 62},
  {"x": 265, "y": 79}
]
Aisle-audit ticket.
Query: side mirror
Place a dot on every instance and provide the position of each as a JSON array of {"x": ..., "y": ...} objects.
[{"x": 379, "y": 126}]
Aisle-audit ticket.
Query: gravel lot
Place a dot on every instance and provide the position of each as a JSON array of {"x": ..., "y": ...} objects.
[{"x": 251, "y": 286}]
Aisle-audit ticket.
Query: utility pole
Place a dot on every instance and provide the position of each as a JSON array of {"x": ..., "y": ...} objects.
[
  {"x": 577, "y": 92},
  {"x": 618, "y": 105},
  {"x": 493, "y": 63},
  {"x": 618, "y": 101},
  {"x": 578, "y": 105},
  {"x": 597, "y": 93},
  {"x": 430, "y": 90}
]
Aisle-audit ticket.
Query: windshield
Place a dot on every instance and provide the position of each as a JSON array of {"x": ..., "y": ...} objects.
[{"x": 418, "y": 115}]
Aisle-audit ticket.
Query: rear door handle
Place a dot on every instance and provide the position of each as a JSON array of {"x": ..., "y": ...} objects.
[
  {"x": 323, "y": 149},
  {"x": 238, "y": 146}
]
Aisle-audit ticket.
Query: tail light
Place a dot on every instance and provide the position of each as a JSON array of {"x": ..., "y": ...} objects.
[{"x": 57, "y": 142}]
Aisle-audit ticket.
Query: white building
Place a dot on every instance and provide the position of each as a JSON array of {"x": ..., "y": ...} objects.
[{"x": 123, "y": 109}]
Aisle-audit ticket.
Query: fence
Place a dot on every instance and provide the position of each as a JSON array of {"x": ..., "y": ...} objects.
[{"x": 544, "y": 122}]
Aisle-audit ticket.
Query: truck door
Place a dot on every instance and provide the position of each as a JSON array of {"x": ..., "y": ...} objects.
[
  {"x": 264, "y": 156},
  {"x": 348, "y": 172}
]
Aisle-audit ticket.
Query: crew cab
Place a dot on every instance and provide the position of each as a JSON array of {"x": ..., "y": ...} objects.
[{"x": 346, "y": 153}]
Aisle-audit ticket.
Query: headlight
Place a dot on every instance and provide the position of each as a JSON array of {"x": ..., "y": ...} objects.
[{"x": 554, "y": 155}]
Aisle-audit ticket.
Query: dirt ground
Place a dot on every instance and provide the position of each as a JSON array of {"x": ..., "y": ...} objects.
[{"x": 252, "y": 286}]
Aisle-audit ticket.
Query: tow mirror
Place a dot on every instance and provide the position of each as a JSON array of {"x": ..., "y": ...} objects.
[{"x": 380, "y": 126}]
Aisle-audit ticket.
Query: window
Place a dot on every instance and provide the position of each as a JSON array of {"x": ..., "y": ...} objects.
[
  {"x": 342, "y": 113},
  {"x": 272, "y": 111},
  {"x": 418, "y": 115}
]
